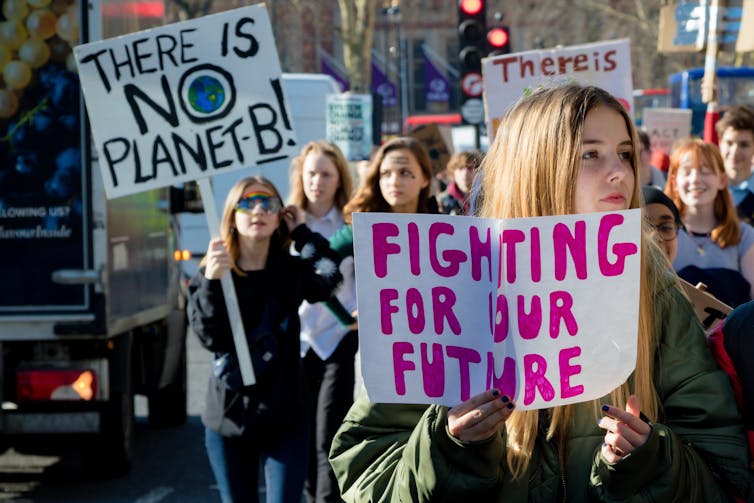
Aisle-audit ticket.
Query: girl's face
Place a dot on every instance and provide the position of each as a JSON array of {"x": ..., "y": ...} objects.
[
  {"x": 605, "y": 181},
  {"x": 664, "y": 228},
  {"x": 697, "y": 182},
  {"x": 320, "y": 178},
  {"x": 401, "y": 180},
  {"x": 257, "y": 214}
]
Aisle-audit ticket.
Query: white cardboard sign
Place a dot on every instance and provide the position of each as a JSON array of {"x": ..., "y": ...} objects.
[
  {"x": 186, "y": 100},
  {"x": 508, "y": 77},
  {"x": 544, "y": 309},
  {"x": 665, "y": 126},
  {"x": 349, "y": 124}
]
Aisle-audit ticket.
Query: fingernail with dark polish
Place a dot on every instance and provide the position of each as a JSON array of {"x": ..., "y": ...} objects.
[
  {"x": 510, "y": 405},
  {"x": 606, "y": 408},
  {"x": 495, "y": 392},
  {"x": 505, "y": 399}
]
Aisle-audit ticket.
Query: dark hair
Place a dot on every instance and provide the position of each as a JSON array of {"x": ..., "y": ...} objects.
[
  {"x": 369, "y": 196},
  {"x": 643, "y": 138},
  {"x": 653, "y": 195},
  {"x": 739, "y": 117}
]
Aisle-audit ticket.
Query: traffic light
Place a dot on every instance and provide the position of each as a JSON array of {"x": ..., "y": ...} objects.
[
  {"x": 472, "y": 25},
  {"x": 472, "y": 47},
  {"x": 498, "y": 40}
]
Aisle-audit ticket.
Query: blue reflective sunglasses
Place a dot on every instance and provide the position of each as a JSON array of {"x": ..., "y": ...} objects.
[{"x": 248, "y": 202}]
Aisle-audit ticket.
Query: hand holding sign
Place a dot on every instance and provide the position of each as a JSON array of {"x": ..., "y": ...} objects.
[
  {"x": 626, "y": 431},
  {"x": 480, "y": 417},
  {"x": 218, "y": 259}
]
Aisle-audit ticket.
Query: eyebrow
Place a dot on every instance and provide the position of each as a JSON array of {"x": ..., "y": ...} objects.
[{"x": 600, "y": 142}]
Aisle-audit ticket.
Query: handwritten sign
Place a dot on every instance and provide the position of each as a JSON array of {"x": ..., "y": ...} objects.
[
  {"x": 544, "y": 309},
  {"x": 510, "y": 76},
  {"x": 349, "y": 124},
  {"x": 185, "y": 101},
  {"x": 665, "y": 126}
]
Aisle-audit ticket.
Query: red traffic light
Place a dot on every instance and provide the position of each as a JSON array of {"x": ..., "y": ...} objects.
[
  {"x": 471, "y": 7},
  {"x": 497, "y": 37}
]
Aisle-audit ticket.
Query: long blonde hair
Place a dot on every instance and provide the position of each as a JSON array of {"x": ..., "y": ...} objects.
[{"x": 530, "y": 170}]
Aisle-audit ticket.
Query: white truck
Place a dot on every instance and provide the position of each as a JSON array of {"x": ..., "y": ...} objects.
[
  {"x": 306, "y": 97},
  {"x": 91, "y": 309}
]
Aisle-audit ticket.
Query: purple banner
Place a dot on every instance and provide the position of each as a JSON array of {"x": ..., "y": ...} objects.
[
  {"x": 330, "y": 70},
  {"x": 436, "y": 84},
  {"x": 382, "y": 86}
]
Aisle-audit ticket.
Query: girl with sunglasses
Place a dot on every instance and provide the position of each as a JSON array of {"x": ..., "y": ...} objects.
[{"x": 266, "y": 422}]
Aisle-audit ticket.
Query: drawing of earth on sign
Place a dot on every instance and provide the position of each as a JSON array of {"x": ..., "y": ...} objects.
[{"x": 206, "y": 94}]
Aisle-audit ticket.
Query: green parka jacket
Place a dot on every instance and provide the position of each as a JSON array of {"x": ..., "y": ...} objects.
[{"x": 392, "y": 453}]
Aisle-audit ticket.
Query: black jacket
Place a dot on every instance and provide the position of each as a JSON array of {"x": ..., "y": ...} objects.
[{"x": 279, "y": 289}]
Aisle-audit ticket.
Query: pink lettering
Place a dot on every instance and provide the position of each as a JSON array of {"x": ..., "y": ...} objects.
[
  {"x": 401, "y": 366},
  {"x": 506, "y": 383},
  {"x": 535, "y": 256},
  {"x": 380, "y": 233},
  {"x": 443, "y": 299},
  {"x": 510, "y": 238},
  {"x": 415, "y": 311},
  {"x": 575, "y": 244},
  {"x": 535, "y": 367},
  {"x": 453, "y": 257},
  {"x": 621, "y": 250},
  {"x": 567, "y": 370},
  {"x": 433, "y": 373},
  {"x": 529, "y": 323},
  {"x": 561, "y": 305},
  {"x": 413, "y": 249},
  {"x": 500, "y": 321},
  {"x": 478, "y": 250},
  {"x": 465, "y": 357},
  {"x": 387, "y": 309}
]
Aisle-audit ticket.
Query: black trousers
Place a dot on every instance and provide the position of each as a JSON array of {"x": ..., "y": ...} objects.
[{"x": 330, "y": 383}]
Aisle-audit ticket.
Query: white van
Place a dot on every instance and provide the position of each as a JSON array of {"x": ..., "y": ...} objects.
[{"x": 306, "y": 96}]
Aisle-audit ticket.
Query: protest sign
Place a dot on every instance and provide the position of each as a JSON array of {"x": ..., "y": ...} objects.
[
  {"x": 349, "y": 124},
  {"x": 665, "y": 126},
  {"x": 185, "y": 101},
  {"x": 544, "y": 309},
  {"x": 510, "y": 76}
]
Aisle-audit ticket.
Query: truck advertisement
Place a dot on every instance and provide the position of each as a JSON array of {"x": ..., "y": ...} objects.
[{"x": 43, "y": 222}]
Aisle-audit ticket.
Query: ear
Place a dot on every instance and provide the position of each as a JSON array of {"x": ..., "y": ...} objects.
[
  {"x": 425, "y": 184},
  {"x": 723, "y": 185}
]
